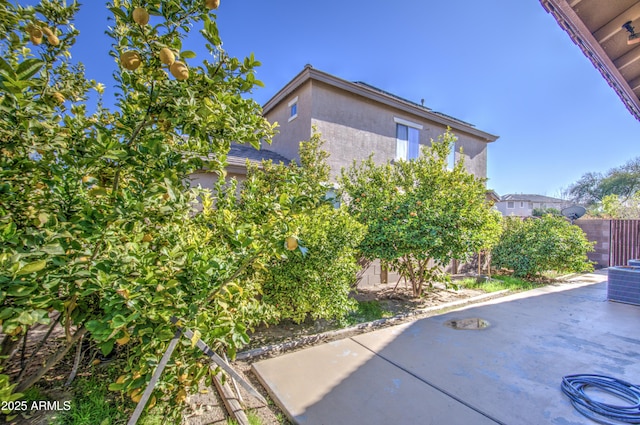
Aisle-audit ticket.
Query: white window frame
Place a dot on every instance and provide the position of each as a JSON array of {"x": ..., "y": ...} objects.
[
  {"x": 513, "y": 205},
  {"x": 403, "y": 145},
  {"x": 521, "y": 204},
  {"x": 290, "y": 105}
]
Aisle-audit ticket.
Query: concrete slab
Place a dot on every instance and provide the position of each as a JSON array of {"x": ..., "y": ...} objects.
[{"x": 426, "y": 372}]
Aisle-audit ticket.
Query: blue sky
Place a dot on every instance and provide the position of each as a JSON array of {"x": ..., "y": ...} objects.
[{"x": 503, "y": 65}]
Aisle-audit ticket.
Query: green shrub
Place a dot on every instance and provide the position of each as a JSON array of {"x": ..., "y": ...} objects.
[
  {"x": 314, "y": 278},
  {"x": 531, "y": 247},
  {"x": 420, "y": 215},
  {"x": 318, "y": 283}
]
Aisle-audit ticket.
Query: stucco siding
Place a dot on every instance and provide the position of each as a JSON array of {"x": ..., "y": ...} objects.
[
  {"x": 291, "y": 132},
  {"x": 354, "y": 127}
]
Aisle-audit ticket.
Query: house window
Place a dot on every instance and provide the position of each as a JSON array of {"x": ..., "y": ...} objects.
[
  {"x": 511, "y": 205},
  {"x": 407, "y": 139},
  {"x": 293, "y": 109},
  {"x": 451, "y": 159},
  {"x": 530, "y": 205},
  {"x": 521, "y": 204}
]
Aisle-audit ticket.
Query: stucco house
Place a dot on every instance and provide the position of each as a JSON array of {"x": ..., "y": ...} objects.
[
  {"x": 356, "y": 120},
  {"x": 522, "y": 205}
]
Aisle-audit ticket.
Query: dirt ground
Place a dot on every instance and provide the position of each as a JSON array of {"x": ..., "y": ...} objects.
[{"x": 207, "y": 407}]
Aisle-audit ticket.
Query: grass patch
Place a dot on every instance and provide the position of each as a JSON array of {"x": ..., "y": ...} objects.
[
  {"x": 94, "y": 404},
  {"x": 367, "y": 311},
  {"x": 252, "y": 417},
  {"x": 498, "y": 283}
]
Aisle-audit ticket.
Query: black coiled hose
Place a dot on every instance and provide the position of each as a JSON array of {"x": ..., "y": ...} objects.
[{"x": 574, "y": 387}]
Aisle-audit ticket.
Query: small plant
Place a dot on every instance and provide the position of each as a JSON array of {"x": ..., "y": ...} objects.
[
  {"x": 367, "y": 311},
  {"x": 498, "y": 283}
]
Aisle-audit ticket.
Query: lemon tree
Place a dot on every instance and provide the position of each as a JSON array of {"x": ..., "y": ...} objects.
[
  {"x": 97, "y": 226},
  {"x": 420, "y": 215},
  {"x": 315, "y": 277}
]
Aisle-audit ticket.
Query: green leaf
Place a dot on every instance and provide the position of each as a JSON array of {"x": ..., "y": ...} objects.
[
  {"x": 28, "y": 68},
  {"x": 42, "y": 219},
  {"x": 118, "y": 12},
  {"x": 32, "y": 267},
  {"x": 7, "y": 69},
  {"x": 20, "y": 290},
  {"x": 116, "y": 387},
  {"x": 5, "y": 313},
  {"x": 188, "y": 54},
  {"x": 106, "y": 347},
  {"x": 53, "y": 249},
  {"x": 26, "y": 318}
]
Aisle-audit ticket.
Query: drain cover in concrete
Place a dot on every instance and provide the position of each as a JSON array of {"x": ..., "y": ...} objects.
[{"x": 467, "y": 324}]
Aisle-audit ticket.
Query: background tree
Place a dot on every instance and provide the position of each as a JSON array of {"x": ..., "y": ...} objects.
[
  {"x": 621, "y": 183},
  {"x": 96, "y": 228},
  {"x": 420, "y": 215},
  {"x": 539, "y": 212}
]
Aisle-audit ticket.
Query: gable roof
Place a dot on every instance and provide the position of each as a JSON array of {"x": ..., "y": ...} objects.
[
  {"x": 596, "y": 26},
  {"x": 529, "y": 198},
  {"x": 239, "y": 154},
  {"x": 377, "y": 95}
]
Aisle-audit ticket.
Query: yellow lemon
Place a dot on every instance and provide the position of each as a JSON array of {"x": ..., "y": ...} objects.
[
  {"x": 212, "y": 4},
  {"x": 166, "y": 56},
  {"x": 53, "y": 40},
  {"x": 140, "y": 16},
  {"x": 291, "y": 243},
  {"x": 58, "y": 97},
  {"x": 179, "y": 70},
  {"x": 136, "y": 395},
  {"x": 130, "y": 60},
  {"x": 35, "y": 36}
]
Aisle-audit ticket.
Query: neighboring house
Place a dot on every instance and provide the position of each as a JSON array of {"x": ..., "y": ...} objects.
[
  {"x": 237, "y": 164},
  {"x": 608, "y": 33},
  {"x": 523, "y": 205},
  {"x": 357, "y": 120}
]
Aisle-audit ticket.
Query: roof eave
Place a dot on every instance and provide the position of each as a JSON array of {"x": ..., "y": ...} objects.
[
  {"x": 310, "y": 73},
  {"x": 582, "y": 37}
]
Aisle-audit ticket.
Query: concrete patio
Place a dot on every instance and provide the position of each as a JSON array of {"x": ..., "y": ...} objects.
[{"x": 424, "y": 372}]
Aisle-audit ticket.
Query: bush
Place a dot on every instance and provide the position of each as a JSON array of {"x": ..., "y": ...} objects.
[
  {"x": 314, "y": 277},
  {"x": 531, "y": 247},
  {"x": 317, "y": 284}
]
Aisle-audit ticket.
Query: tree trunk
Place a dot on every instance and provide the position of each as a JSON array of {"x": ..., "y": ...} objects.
[{"x": 52, "y": 361}]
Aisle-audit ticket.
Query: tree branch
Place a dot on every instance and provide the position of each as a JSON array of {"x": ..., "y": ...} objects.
[{"x": 52, "y": 361}]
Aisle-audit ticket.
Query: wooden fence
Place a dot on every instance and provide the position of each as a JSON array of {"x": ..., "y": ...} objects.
[
  {"x": 617, "y": 241},
  {"x": 625, "y": 241}
]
